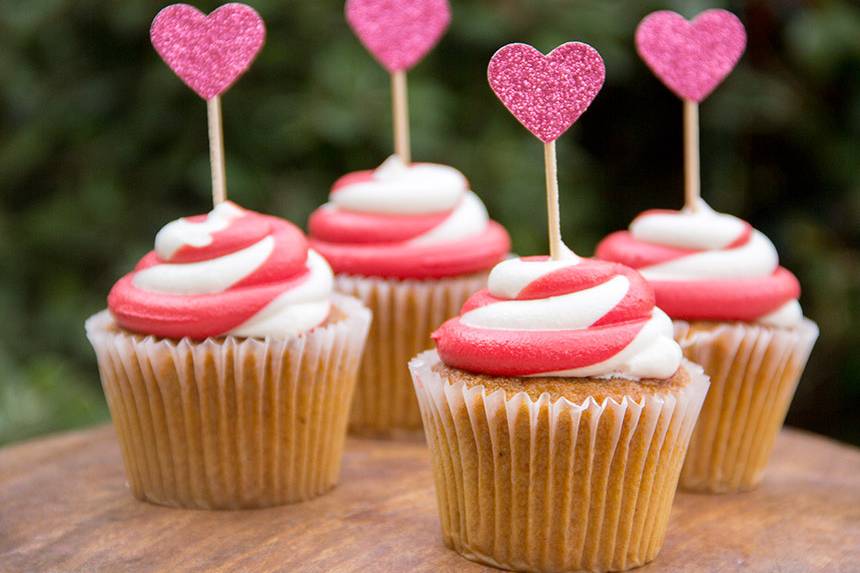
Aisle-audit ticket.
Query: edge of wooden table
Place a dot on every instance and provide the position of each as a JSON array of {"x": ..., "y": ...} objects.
[{"x": 64, "y": 506}]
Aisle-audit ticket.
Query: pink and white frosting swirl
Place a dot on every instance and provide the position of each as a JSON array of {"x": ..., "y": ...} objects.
[
  {"x": 231, "y": 272},
  {"x": 571, "y": 317},
  {"x": 706, "y": 265},
  {"x": 406, "y": 221}
]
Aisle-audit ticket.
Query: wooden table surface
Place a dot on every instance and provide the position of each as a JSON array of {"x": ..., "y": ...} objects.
[{"x": 64, "y": 507}]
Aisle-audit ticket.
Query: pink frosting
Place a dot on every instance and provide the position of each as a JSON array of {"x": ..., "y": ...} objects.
[
  {"x": 744, "y": 298},
  {"x": 521, "y": 352},
  {"x": 199, "y": 316},
  {"x": 388, "y": 244}
]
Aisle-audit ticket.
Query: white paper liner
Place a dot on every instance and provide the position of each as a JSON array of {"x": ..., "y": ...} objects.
[
  {"x": 234, "y": 422},
  {"x": 405, "y": 314},
  {"x": 539, "y": 486},
  {"x": 754, "y": 371}
]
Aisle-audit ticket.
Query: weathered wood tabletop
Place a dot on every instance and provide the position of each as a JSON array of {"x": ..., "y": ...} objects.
[{"x": 64, "y": 507}]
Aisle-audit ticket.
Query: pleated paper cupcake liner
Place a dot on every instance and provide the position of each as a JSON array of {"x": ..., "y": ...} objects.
[
  {"x": 405, "y": 314},
  {"x": 754, "y": 372},
  {"x": 232, "y": 422},
  {"x": 554, "y": 486}
]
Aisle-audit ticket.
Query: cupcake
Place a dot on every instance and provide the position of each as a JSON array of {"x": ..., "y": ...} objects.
[
  {"x": 557, "y": 409},
  {"x": 228, "y": 364},
  {"x": 411, "y": 241},
  {"x": 735, "y": 313}
]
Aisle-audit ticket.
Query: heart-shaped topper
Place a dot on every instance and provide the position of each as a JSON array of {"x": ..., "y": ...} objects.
[
  {"x": 691, "y": 57},
  {"x": 398, "y": 32},
  {"x": 208, "y": 53},
  {"x": 547, "y": 94}
]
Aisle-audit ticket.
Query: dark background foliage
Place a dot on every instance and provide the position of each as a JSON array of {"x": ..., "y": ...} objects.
[{"x": 100, "y": 145}]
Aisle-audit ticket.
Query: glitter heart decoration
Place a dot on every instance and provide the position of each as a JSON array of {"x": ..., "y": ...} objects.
[
  {"x": 398, "y": 32},
  {"x": 691, "y": 57},
  {"x": 547, "y": 94},
  {"x": 208, "y": 53}
]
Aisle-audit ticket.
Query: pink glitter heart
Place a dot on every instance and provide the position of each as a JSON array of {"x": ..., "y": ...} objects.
[
  {"x": 691, "y": 58},
  {"x": 209, "y": 52},
  {"x": 546, "y": 93},
  {"x": 398, "y": 32}
]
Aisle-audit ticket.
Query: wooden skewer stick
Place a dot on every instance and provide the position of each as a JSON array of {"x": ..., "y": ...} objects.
[
  {"x": 400, "y": 105},
  {"x": 692, "y": 181},
  {"x": 216, "y": 151},
  {"x": 553, "y": 224}
]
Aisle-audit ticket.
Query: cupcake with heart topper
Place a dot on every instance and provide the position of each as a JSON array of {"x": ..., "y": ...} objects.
[
  {"x": 411, "y": 240},
  {"x": 557, "y": 406},
  {"x": 735, "y": 309},
  {"x": 227, "y": 361}
]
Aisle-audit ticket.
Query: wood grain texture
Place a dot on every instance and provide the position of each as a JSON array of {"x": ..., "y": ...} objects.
[{"x": 64, "y": 507}]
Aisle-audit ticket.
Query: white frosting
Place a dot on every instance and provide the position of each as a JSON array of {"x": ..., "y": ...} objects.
[
  {"x": 702, "y": 229},
  {"x": 757, "y": 258},
  {"x": 510, "y": 277},
  {"x": 296, "y": 310},
  {"x": 709, "y": 233},
  {"x": 653, "y": 353},
  {"x": 417, "y": 189},
  {"x": 205, "y": 277},
  {"x": 570, "y": 311},
  {"x": 400, "y": 189},
  {"x": 470, "y": 218},
  {"x": 788, "y": 315},
  {"x": 181, "y": 232}
]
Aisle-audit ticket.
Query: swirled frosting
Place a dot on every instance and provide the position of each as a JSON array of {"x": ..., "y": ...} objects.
[
  {"x": 571, "y": 317},
  {"x": 406, "y": 221},
  {"x": 231, "y": 272},
  {"x": 706, "y": 265}
]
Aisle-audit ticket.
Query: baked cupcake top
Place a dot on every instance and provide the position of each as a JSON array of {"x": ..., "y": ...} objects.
[
  {"x": 706, "y": 265},
  {"x": 231, "y": 272},
  {"x": 571, "y": 317},
  {"x": 401, "y": 221}
]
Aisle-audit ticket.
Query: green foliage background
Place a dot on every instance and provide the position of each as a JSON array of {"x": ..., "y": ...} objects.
[{"x": 100, "y": 145}]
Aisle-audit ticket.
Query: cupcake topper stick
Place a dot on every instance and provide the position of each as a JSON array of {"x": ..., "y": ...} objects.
[
  {"x": 691, "y": 58},
  {"x": 692, "y": 172},
  {"x": 216, "y": 150},
  {"x": 547, "y": 94},
  {"x": 400, "y": 109},
  {"x": 399, "y": 33},
  {"x": 209, "y": 53}
]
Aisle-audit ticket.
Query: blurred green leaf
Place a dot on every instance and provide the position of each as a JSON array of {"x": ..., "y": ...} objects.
[{"x": 100, "y": 145}]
